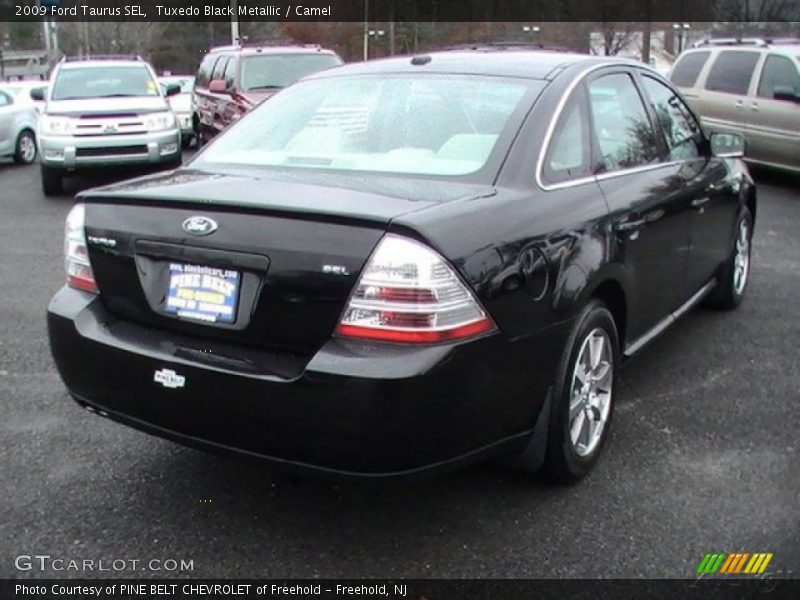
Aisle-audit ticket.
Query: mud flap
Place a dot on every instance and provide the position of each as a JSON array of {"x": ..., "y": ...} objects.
[{"x": 532, "y": 456}]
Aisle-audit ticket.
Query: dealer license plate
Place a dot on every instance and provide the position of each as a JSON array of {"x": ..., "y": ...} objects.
[{"x": 202, "y": 293}]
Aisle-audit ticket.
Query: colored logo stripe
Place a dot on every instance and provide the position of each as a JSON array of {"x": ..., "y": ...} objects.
[
  {"x": 711, "y": 562},
  {"x": 736, "y": 562},
  {"x": 758, "y": 564}
]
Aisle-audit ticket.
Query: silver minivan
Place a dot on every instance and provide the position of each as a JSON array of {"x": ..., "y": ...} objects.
[
  {"x": 105, "y": 112},
  {"x": 747, "y": 86}
]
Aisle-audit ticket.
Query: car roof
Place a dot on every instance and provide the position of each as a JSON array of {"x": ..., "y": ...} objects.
[
  {"x": 789, "y": 49},
  {"x": 505, "y": 63},
  {"x": 101, "y": 64},
  {"x": 287, "y": 49}
]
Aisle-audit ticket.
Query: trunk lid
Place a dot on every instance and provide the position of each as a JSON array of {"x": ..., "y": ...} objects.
[{"x": 296, "y": 246}]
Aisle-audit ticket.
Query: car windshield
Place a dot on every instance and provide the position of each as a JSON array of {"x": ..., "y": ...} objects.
[
  {"x": 428, "y": 125},
  {"x": 104, "y": 82},
  {"x": 271, "y": 71}
]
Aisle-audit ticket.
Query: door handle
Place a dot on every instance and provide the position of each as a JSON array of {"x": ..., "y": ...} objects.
[
  {"x": 699, "y": 202},
  {"x": 632, "y": 225},
  {"x": 739, "y": 104},
  {"x": 754, "y": 106}
]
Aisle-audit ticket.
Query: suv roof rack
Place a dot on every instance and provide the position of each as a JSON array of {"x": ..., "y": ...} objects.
[
  {"x": 747, "y": 41},
  {"x": 731, "y": 42},
  {"x": 266, "y": 44},
  {"x": 784, "y": 41},
  {"x": 102, "y": 57},
  {"x": 532, "y": 46}
]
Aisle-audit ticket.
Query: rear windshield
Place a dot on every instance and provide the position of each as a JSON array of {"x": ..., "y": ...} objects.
[
  {"x": 104, "y": 82},
  {"x": 427, "y": 125},
  {"x": 271, "y": 71}
]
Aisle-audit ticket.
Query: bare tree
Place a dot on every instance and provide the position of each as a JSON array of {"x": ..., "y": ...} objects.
[
  {"x": 746, "y": 11},
  {"x": 617, "y": 36}
]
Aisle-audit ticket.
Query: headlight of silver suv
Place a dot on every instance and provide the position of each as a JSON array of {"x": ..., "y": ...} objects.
[
  {"x": 160, "y": 121},
  {"x": 50, "y": 125}
]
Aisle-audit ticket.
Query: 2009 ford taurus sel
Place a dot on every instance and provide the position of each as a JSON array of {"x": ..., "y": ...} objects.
[{"x": 407, "y": 265}]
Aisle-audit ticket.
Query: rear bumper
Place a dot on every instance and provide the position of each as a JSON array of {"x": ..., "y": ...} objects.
[
  {"x": 354, "y": 410},
  {"x": 91, "y": 152}
]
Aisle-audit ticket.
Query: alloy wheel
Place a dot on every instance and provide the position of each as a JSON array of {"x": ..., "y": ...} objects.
[
  {"x": 741, "y": 260},
  {"x": 27, "y": 148},
  {"x": 590, "y": 392}
]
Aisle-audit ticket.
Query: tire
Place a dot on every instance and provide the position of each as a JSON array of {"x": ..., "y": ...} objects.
[
  {"x": 52, "y": 181},
  {"x": 734, "y": 275},
  {"x": 580, "y": 403},
  {"x": 25, "y": 150}
]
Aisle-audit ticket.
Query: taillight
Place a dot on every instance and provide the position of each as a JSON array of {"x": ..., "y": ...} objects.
[
  {"x": 79, "y": 271},
  {"x": 408, "y": 293}
]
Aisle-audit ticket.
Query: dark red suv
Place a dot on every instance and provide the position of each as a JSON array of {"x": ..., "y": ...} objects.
[{"x": 231, "y": 80}]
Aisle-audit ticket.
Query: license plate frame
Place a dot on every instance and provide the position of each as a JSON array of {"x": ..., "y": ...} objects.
[{"x": 202, "y": 294}]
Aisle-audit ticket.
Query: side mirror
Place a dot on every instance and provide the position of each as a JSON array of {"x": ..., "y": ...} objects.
[
  {"x": 217, "y": 86},
  {"x": 727, "y": 145},
  {"x": 172, "y": 89},
  {"x": 784, "y": 92},
  {"x": 37, "y": 94}
]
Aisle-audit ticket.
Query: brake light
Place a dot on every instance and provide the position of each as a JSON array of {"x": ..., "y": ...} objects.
[
  {"x": 408, "y": 293},
  {"x": 76, "y": 261}
]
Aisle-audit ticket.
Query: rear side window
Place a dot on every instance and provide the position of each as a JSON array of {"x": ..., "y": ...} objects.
[
  {"x": 732, "y": 72},
  {"x": 680, "y": 128},
  {"x": 688, "y": 68},
  {"x": 625, "y": 136},
  {"x": 779, "y": 72},
  {"x": 568, "y": 156}
]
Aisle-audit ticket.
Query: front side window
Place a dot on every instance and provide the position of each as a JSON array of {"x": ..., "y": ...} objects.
[
  {"x": 688, "y": 69},
  {"x": 219, "y": 68},
  {"x": 104, "y": 82},
  {"x": 274, "y": 71},
  {"x": 681, "y": 130},
  {"x": 205, "y": 70},
  {"x": 427, "y": 125},
  {"x": 779, "y": 73},
  {"x": 230, "y": 72},
  {"x": 732, "y": 72},
  {"x": 568, "y": 156},
  {"x": 625, "y": 136}
]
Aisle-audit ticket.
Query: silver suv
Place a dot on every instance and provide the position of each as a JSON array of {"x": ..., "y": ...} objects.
[
  {"x": 748, "y": 86},
  {"x": 104, "y": 112}
]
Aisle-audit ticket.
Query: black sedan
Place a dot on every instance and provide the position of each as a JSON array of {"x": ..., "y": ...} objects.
[{"x": 407, "y": 265}]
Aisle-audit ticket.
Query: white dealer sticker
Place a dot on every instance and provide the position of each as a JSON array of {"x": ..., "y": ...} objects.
[{"x": 169, "y": 378}]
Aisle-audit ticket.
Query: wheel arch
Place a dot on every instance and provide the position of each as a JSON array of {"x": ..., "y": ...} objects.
[{"x": 612, "y": 293}]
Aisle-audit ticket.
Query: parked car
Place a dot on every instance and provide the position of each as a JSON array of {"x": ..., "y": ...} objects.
[
  {"x": 182, "y": 104},
  {"x": 407, "y": 265},
  {"x": 17, "y": 128},
  {"x": 105, "y": 112},
  {"x": 751, "y": 87},
  {"x": 231, "y": 80},
  {"x": 21, "y": 91}
]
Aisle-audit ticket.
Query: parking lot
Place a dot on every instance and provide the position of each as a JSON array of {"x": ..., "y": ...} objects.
[{"x": 703, "y": 455}]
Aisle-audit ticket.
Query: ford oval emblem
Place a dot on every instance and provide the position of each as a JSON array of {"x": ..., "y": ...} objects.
[{"x": 199, "y": 225}]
